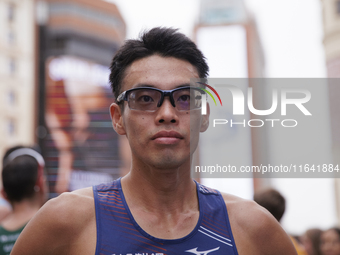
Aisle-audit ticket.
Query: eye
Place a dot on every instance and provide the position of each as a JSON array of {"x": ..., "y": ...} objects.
[
  {"x": 146, "y": 99},
  {"x": 184, "y": 98}
]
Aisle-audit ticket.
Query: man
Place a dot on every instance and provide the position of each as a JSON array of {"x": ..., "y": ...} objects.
[
  {"x": 24, "y": 188},
  {"x": 156, "y": 208}
]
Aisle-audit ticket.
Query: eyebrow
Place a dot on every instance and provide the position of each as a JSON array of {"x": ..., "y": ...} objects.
[{"x": 152, "y": 86}]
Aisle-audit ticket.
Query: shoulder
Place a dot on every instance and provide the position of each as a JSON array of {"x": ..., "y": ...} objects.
[
  {"x": 60, "y": 222},
  {"x": 255, "y": 230},
  {"x": 69, "y": 206},
  {"x": 69, "y": 211},
  {"x": 244, "y": 212}
]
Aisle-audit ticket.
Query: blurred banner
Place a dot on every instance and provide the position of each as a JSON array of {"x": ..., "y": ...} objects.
[{"x": 81, "y": 147}]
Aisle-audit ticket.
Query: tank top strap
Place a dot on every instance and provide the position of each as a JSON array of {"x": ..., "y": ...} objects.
[{"x": 215, "y": 222}]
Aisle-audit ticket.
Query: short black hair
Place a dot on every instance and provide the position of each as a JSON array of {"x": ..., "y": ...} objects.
[
  {"x": 272, "y": 200},
  {"x": 166, "y": 42},
  {"x": 19, "y": 176}
]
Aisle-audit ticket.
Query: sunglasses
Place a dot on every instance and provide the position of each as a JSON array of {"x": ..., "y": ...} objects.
[{"x": 150, "y": 99}]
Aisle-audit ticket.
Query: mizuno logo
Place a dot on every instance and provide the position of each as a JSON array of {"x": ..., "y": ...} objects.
[{"x": 195, "y": 251}]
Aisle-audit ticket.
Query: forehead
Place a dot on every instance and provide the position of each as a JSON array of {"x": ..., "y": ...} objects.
[
  {"x": 160, "y": 72},
  {"x": 330, "y": 234}
]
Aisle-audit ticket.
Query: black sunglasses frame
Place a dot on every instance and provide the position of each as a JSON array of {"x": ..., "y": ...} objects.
[{"x": 124, "y": 95}]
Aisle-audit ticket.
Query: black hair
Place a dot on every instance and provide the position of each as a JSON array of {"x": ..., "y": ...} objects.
[
  {"x": 19, "y": 176},
  {"x": 166, "y": 42},
  {"x": 273, "y": 201}
]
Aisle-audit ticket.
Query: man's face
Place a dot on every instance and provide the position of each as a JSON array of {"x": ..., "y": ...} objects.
[{"x": 161, "y": 138}]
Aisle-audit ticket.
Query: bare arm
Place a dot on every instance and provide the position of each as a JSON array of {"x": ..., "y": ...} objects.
[
  {"x": 256, "y": 231},
  {"x": 64, "y": 225}
]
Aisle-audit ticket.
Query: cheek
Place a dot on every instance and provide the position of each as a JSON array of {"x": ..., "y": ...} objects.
[
  {"x": 195, "y": 124},
  {"x": 137, "y": 126}
]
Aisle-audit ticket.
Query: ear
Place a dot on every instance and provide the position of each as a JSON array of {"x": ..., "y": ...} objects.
[
  {"x": 41, "y": 179},
  {"x": 41, "y": 186},
  {"x": 117, "y": 119},
  {"x": 3, "y": 194},
  {"x": 205, "y": 120}
]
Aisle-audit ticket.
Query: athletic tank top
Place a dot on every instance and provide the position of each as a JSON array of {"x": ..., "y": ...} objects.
[
  {"x": 7, "y": 239},
  {"x": 119, "y": 234}
]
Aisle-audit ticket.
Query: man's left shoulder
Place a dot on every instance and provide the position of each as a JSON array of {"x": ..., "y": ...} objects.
[
  {"x": 255, "y": 230},
  {"x": 247, "y": 214}
]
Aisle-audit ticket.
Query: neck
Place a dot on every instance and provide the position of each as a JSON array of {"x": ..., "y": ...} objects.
[
  {"x": 22, "y": 212},
  {"x": 168, "y": 189},
  {"x": 26, "y": 205}
]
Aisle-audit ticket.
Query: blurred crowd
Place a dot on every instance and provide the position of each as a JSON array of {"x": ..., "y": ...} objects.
[{"x": 314, "y": 241}]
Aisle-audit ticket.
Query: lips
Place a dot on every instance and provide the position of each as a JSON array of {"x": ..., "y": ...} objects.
[{"x": 167, "y": 134}]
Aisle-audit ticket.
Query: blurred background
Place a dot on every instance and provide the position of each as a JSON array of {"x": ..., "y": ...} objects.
[{"x": 54, "y": 58}]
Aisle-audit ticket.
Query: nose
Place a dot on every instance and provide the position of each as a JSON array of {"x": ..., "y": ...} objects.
[{"x": 166, "y": 113}]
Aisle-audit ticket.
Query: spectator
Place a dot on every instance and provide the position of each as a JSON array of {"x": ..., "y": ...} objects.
[
  {"x": 311, "y": 241},
  {"x": 275, "y": 203},
  {"x": 330, "y": 242},
  {"x": 24, "y": 188}
]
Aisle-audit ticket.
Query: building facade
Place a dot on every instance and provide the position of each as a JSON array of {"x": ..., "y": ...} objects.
[
  {"x": 228, "y": 36},
  {"x": 17, "y": 73},
  {"x": 331, "y": 27},
  {"x": 331, "y": 24}
]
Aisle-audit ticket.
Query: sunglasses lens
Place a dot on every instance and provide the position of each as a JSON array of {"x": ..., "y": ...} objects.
[
  {"x": 144, "y": 99},
  {"x": 187, "y": 99}
]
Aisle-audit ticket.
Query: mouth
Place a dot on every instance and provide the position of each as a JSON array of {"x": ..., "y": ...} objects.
[{"x": 167, "y": 137}]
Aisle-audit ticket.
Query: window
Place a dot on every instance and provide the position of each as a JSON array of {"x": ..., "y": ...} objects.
[
  {"x": 11, "y": 12},
  {"x": 11, "y": 98},
  {"x": 11, "y": 127},
  {"x": 11, "y": 37},
  {"x": 338, "y": 7},
  {"x": 12, "y": 66}
]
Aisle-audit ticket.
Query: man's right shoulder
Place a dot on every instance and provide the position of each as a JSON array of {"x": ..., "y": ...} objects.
[
  {"x": 64, "y": 225},
  {"x": 69, "y": 208}
]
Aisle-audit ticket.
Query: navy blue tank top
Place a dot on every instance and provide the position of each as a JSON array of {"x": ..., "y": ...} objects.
[{"x": 119, "y": 234}]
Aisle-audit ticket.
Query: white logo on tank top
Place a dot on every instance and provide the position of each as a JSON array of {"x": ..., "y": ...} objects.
[{"x": 195, "y": 251}]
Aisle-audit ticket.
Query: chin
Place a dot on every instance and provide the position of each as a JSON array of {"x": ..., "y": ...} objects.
[{"x": 168, "y": 162}]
